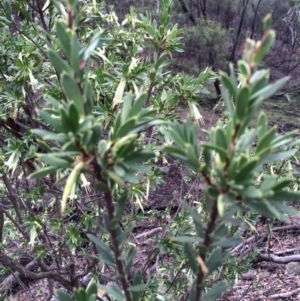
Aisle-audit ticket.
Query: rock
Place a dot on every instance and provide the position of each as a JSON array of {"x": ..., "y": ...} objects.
[{"x": 292, "y": 268}]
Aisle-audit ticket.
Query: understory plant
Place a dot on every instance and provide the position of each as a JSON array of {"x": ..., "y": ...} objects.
[{"x": 106, "y": 119}]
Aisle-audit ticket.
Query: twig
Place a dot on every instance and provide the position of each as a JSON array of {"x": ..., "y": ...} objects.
[{"x": 148, "y": 232}]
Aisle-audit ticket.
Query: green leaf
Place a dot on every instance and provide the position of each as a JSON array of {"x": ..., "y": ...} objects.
[
  {"x": 73, "y": 117},
  {"x": 120, "y": 206},
  {"x": 114, "y": 292},
  {"x": 52, "y": 160},
  {"x": 124, "y": 235},
  {"x": 270, "y": 89},
  {"x": 214, "y": 260},
  {"x": 138, "y": 105},
  {"x": 228, "y": 84},
  {"x": 92, "y": 289},
  {"x": 264, "y": 47},
  {"x": 126, "y": 128},
  {"x": 75, "y": 54},
  {"x": 43, "y": 172},
  {"x": 244, "y": 68},
  {"x": 285, "y": 209},
  {"x": 275, "y": 157},
  {"x": 191, "y": 257},
  {"x": 216, "y": 291},
  {"x": 8, "y": 13},
  {"x": 93, "y": 44},
  {"x": 281, "y": 184},
  {"x": 197, "y": 220},
  {"x": 79, "y": 294},
  {"x": 127, "y": 104},
  {"x": 221, "y": 151},
  {"x": 46, "y": 135},
  {"x": 65, "y": 121},
  {"x": 59, "y": 64},
  {"x": 54, "y": 122},
  {"x": 86, "y": 140},
  {"x": 174, "y": 134},
  {"x": 61, "y": 28},
  {"x": 102, "y": 147},
  {"x": 103, "y": 249},
  {"x": 206, "y": 153},
  {"x": 63, "y": 296},
  {"x": 89, "y": 97},
  {"x": 227, "y": 243},
  {"x": 242, "y": 102},
  {"x": 137, "y": 282},
  {"x": 262, "y": 124},
  {"x": 72, "y": 92},
  {"x": 114, "y": 177},
  {"x": 252, "y": 193},
  {"x": 246, "y": 170},
  {"x": 267, "y": 22},
  {"x": 227, "y": 98},
  {"x": 266, "y": 140},
  {"x": 263, "y": 208},
  {"x": 137, "y": 157},
  {"x": 96, "y": 135},
  {"x": 268, "y": 183},
  {"x": 192, "y": 157},
  {"x": 176, "y": 152},
  {"x": 72, "y": 4},
  {"x": 186, "y": 239},
  {"x": 130, "y": 256},
  {"x": 220, "y": 138},
  {"x": 286, "y": 139},
  {"x": 137, "y": 288},
  {"x": 285, "y": 195}
]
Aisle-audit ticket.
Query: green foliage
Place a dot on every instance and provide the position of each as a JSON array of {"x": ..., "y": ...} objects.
[{"x": 105, "y": 119}]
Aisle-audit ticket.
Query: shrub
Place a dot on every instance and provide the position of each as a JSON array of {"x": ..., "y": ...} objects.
[{"x": 106, "y": 118}]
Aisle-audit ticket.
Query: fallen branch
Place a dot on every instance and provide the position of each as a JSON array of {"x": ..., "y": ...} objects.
[
  {"x": 26, "y": 272},
  {"x": 145, "y": 234},
  {"x": 275, "y": 258},
  {"x": 284, "y": 295},
  {"x": 12, "y": 280}
]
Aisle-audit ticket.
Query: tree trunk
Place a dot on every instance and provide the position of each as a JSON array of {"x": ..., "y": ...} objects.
[
  {"x": 245, "y": 5},
  {"x": 255, "y": 9},
  {"x": 193, "y": 20}
]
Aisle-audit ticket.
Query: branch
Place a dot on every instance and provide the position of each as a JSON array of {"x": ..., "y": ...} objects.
[
  {"x": 15, "y": 223},
  {"x": 12, "y": 197},
  {"x": 116, "y": 249},
  {"x": 206, "y": 242},
  {"x": 26, "y": 272}
]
